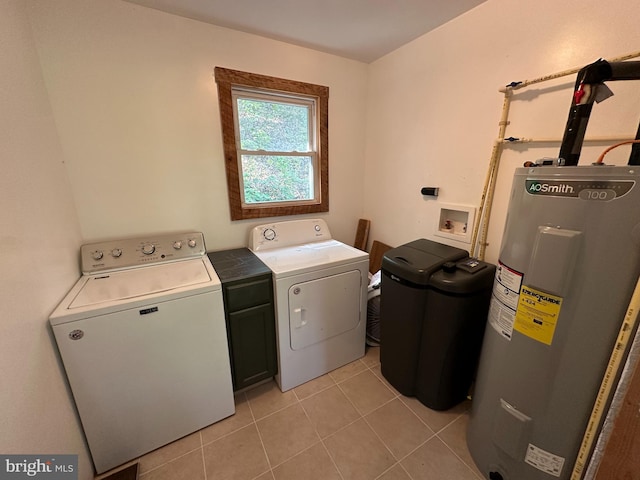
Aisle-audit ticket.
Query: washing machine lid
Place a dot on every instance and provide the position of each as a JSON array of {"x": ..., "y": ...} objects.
[
  {"x": 300, "y": 258},
  {"x": 138, "y": 282}
]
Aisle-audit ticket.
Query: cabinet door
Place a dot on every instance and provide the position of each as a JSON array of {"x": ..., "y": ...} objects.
[{"x": 253, "y": 345}]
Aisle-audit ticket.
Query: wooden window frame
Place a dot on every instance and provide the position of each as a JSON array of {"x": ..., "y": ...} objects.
[{"x": 226, "y": 80}]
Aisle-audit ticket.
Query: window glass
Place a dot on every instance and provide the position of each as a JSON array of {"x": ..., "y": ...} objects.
[
  {"x": 273, "y": 126},
  {"x": 269, "y": 178}
]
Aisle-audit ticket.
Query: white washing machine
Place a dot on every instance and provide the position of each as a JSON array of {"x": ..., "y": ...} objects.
[
  {"x": 143, "y": 340},
  {"x": 321, "y": 296}
]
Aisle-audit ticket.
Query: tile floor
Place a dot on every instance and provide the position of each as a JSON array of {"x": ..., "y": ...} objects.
[{"x": 347, "y": 425}]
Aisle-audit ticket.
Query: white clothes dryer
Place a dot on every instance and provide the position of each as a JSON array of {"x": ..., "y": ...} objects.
[
  {"x": 143, "y": 340},
  {"x": 321, "y": 297}
]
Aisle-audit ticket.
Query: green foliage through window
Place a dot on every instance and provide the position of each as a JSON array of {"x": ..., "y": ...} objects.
[
  {"x": 276, "y": 178},
  {"x": 275, "y": 127},
  {"x": 275, "y": 146}
]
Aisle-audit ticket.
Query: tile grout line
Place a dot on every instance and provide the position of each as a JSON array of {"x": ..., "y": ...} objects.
[
  {"x": 397, "y": 464},
  {"x": 319, "y": 391},
  {"x": 321, "y": 440},
  {"x": 232, "y": 431},
  {"x": 202, "y": 445},
  {"x": 363, "y": 417},
  {"x": 457, "y": 456},
  {"x": 275, "y": 411},
  {"x": 168, "y": 461},
  {"x": 333, "y": 462},
  {"x": 303, "y": 450},
  {"x": 370, "y": 366},
  {"x": 204, "y": 464},
  {"x": 397, "y": 395},
  {"x": 255, "y": 424},
  {"x": 451, "y": 422},
  {"x": 437, "y": 435},
  {"x": 351, "y": 375},
  {"x": 326, "y": 449},
  {"x": 298, "y": 400},
  {"x": 433, "y": 433},
  {"x": 470, "y": 467}
]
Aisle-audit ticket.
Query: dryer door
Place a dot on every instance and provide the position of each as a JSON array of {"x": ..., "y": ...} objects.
[{"x": 323, "y": 308}]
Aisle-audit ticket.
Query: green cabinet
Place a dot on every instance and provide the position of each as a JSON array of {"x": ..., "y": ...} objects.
[{"x": 247, "y": 288}]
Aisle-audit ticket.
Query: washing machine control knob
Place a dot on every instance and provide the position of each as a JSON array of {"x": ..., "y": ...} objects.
[
  {"x": 116, "y": 252},
  {"x": 269, "y": 234},
  {"x": 317, "y": 228},
  {"x": 192, "y": 243},
  {"x": 148, "y": 248},
  {"x": 97, "y": 255},
  {"x": 177, "y": 245}
]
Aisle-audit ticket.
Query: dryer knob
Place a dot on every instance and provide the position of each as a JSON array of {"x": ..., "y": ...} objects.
[
  {"x": 116, "y": 252},
  {"x": 148, "y": 248},
  {"x": 97, "y": 255},
  {"x": 192, "y": 243},
  {"x": 269, "y": 234},
  {"x": 177, "y": 245}
]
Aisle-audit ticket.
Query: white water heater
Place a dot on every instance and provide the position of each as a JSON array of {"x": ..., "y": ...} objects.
[{"x": 568, "y": 264}]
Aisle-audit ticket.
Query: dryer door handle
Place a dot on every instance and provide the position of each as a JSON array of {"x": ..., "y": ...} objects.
[{"x": 298, "y": 317}]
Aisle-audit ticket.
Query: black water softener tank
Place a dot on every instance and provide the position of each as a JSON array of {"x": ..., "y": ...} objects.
[
  {"x": 433, "y": 310},
  {"x": 452, "y": 332}
]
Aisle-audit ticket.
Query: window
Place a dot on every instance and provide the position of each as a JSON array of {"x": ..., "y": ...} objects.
[{"x": 275, "y": 140}]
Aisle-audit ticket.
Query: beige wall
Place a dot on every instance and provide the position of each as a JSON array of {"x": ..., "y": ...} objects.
[
  {"x": 39, "y": 242},
  {"x": 135, "y": 103},
  {"x": 110, "y": 128},
  {"x": 110, "y": 110},
  {"x": 434, "y": 106}
]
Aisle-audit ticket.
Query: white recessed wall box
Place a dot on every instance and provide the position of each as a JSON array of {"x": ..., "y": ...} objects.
[{"x": 455, "y": 222}]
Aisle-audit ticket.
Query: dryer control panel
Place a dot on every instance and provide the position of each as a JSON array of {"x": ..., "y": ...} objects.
[
  {"x": 139, "y": 251},
  {"x": 285, "y": 234}
]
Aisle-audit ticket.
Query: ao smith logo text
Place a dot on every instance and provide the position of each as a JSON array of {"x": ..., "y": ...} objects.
[
  {"x": 603, "y": 190},
  {"x": 561, "y": 188}
]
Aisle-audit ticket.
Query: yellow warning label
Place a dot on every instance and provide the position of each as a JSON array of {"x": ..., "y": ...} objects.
[{"x": 537, "y": 314}]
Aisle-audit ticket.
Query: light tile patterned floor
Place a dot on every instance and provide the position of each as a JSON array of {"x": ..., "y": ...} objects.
[{"x": 347, "y": 425}]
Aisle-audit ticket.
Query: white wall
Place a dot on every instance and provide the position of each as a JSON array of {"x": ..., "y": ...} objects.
[
  {"x": 122, "y": 101},
  {"x": 135, "y": 102},
  {"x": 39, "y": 242},
  {"x": 434, "y": 106}
]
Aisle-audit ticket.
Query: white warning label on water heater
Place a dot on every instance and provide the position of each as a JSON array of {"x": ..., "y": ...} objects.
[
  {"x": 544, "y": 461},
  {"x": 504, "y": 300}
]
